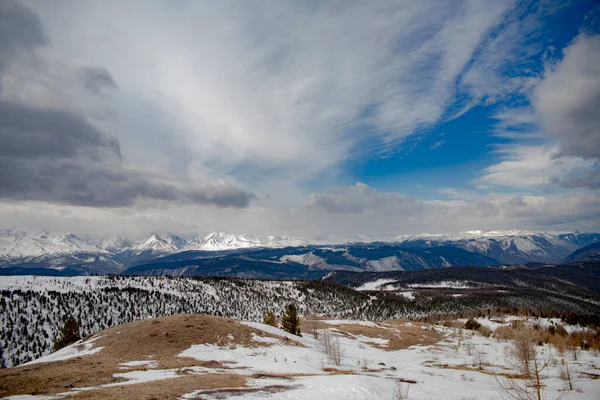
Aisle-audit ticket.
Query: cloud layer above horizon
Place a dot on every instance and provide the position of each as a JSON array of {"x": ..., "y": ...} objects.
[{"x": 264, "y": 117}]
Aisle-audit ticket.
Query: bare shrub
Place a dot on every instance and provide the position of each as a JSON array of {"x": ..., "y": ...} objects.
[
  {"x": 484, "y": 331},
  {"x": 401, "y": 392},
  {"x": 571, "y": 345},
  {"x": 521, "y": 352},
  {"x": 332, "y": 347},
  {"x": 560, "y": 330},
  {"x": 468, "y": 346},
  {"x": 336, "y": 351},
  {"x": 504, "y": 332},
  {"x": 480, "y": 359},
  {"x": 312, "y": 319},
  {"x": 365, "y": 364},
  {"x": 326, "y": 341},
  {"x": 565, "y": 373},
  {"x": 524, "y": 357}
]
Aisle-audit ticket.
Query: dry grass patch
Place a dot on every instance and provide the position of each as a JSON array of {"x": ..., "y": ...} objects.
[
  {"x": 493, "y": 372},
  {"x": 400, "y": 334},
  {"x": 165, "y": 389},
  {"x": 335, "y": 371},
  {"x": 279, "y": 376},
  {"x": 162, "y": 339},
  {"x": 410, "y": 334}
]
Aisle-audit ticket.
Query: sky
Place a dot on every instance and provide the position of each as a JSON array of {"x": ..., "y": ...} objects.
[{"x": 346, "y": 119}]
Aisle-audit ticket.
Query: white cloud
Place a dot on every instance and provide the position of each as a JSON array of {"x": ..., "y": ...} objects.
[
  {"x": 395, "y": 213},
  {"x": 530, "y": 166},
  {"x": 354, "y": 212},
  {"x": 568, "y": 99},
  {"x": 437, "y": 144},
  {"x": 564, "y": 112},
  {"x": 498, "y": 69}
]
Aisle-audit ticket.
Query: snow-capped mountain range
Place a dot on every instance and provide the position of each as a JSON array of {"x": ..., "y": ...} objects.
[
  {"x": 24, "y": 248},
  {"x": 509, "y": 247},
  {"x": 32, "y": 242}
]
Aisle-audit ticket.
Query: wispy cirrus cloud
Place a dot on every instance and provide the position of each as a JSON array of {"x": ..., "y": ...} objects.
[{"x": 288, "y": 89}]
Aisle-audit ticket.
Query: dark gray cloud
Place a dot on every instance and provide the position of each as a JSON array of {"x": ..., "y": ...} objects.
[
  {"x": 32, "y": 133},
  {"x": 223, "y": 194},
  {"x": 362, "y": 198},
  {"x": 589, "y": 179},
  {"x": 336, "y": 204},
  {"x": 55, "y": 156},
  {"x": 20, "y": 29},
  {"x": 96, "y": 79}
]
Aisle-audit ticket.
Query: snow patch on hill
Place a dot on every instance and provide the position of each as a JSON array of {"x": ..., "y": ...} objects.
[
  {"x": 77, "y": 349},
  {"x": 379, "y": 284}
]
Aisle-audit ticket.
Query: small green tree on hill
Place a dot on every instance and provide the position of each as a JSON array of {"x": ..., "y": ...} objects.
[
  {"x": 472, "y": 324},
  {"x": 290, "y": 322},
  {"x": 269, "y": 318},
  {"x": 69, "y": 333}
]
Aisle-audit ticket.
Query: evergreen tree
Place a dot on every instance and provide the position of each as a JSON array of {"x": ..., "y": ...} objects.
[
  {"x": 290, "y": 322},
  {"x": 69, "y": 333},
  {"x": 269, "y": 318}
]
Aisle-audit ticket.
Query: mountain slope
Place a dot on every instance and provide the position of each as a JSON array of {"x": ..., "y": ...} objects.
[
  {"x": 161, "y": 243},
  {"x": 117, "y": 244},
  {"x": 24, "y": 243},
  {"x": 509, "y": 247},
  {"x": 587, "y": 253},
  {"x": 574, "y": 281},
  {"x": 306, "y": 262}
]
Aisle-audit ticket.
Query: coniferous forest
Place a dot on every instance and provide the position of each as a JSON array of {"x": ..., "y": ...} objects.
[{"x": 33, "y": 309}]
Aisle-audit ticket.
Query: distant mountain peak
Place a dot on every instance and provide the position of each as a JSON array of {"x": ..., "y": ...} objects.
[{"x": 162, "y": 242}]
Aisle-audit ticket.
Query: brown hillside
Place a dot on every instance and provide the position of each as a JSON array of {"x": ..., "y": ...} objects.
[{"x": 159, "y": 339}]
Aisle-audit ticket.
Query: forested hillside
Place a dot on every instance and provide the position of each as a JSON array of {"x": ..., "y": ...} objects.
[{"x": 32, "y": 309}]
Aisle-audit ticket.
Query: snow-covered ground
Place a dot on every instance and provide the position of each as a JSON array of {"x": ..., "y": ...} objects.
[
  {"x": 379, "y": 284},
  {"x": 439, "y": 285},
  {"x": 368, "y": 373},
  {"x": 462, "y": 365}
]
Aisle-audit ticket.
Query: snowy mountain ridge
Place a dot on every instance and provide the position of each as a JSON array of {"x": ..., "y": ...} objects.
[
  {"x": 32, "y": 242},
  {"x": 511, "y": 246},
  {"x": 24, "y": 248}
]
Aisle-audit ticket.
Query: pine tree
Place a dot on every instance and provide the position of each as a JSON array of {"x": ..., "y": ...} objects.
[
  {"x": 269, "y": 318},
  {"x": 290, "y": 322},
  {"x": 69, "y": 333}
]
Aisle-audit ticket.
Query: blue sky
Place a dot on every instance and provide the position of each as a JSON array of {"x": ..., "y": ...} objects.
[
  {"x": 454, "y": 152},
  {"x": 346, "y": 118}
]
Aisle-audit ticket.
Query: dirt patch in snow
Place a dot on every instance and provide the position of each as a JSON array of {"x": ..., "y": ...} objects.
[
  {"x": 166, "y": 389},
  {"x": 400, "y": 334}
]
